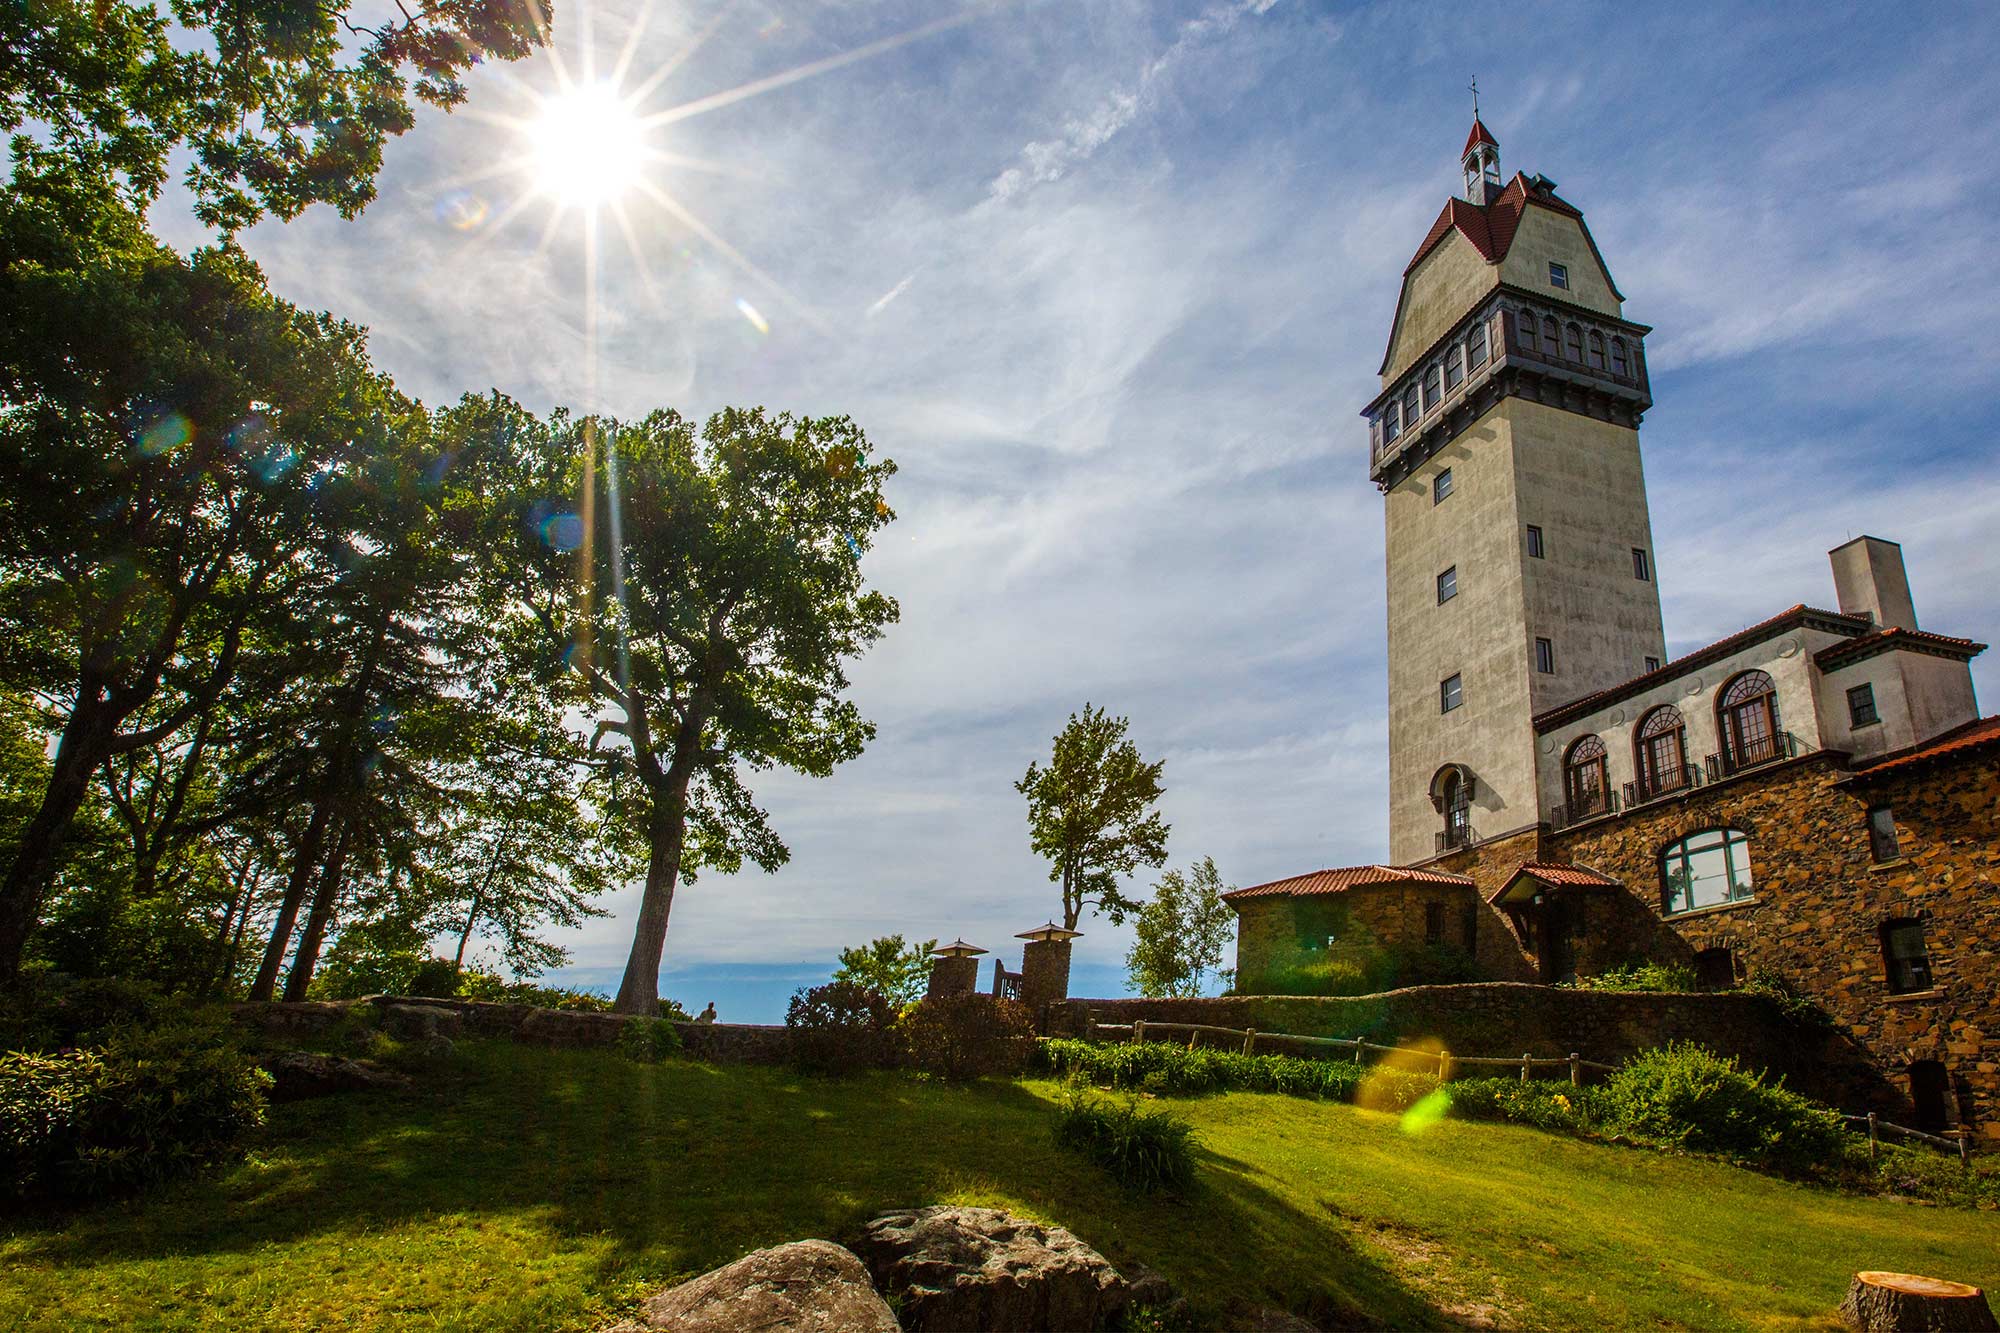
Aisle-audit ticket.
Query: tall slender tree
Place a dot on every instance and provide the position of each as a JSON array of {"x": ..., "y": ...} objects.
[{"x": 1090, "y": 812}]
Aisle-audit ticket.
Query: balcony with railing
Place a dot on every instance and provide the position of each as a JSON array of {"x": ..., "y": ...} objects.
[
  {"x": 1454, "y": 836},
  {"x": 1583, "y": 806},
  {"x": 1740, "y": 756},
  {"x": 1667, "y": 782}
]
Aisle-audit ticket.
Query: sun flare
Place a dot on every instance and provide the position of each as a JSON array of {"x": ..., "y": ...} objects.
[{"x": 588, "y": 145}]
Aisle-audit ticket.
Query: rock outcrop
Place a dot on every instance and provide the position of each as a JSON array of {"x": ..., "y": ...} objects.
[
  {"x": 808, "y": 1286},
  {"x": 296, "y": 1075},
  {"x": 980, "y": 1268}
]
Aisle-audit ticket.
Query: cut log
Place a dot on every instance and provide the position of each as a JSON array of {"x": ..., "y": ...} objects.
[{"x": 1895, "y": 1302}]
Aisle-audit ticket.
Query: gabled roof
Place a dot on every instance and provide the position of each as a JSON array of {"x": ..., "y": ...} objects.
[
  {"x": 1893, "y": 638},
  {"x": 1343, "y": 879},
  {"x": 1973, "y": 736},
  {"x": 1478, "y": 136},
  {"x": 1548, "y": 874},
  {"x": 1833, "y": 622}
]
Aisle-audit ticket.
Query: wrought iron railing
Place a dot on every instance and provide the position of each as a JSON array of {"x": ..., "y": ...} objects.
[
  {"x": 1651, "y": 787},
  {"x": 1763, "y": 750},
  {"x": 1454, "y": 836},
  {"x": 1590, "y": 806}
]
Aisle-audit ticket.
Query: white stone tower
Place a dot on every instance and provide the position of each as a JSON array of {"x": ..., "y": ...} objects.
[{"x": 1520, "y": 555}]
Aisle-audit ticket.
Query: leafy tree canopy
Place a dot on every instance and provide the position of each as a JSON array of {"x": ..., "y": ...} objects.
[
  {"x": 1182, "y": 931},
  {"x": 889, "y": 967},
  {"x": 1090, "y": 812}
]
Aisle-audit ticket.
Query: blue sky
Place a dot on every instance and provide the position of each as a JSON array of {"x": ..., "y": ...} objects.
[{"x": 1110, "y": 282}]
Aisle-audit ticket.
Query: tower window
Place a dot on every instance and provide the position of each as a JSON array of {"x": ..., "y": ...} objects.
[
  {"x": 1447, "y": 585},
  {"x": 1558, "y": 275},
  {"x": 1412, "y": 409},
  {"x": 1861, "y": 707},
  {"x": 1450, "y": 694},
  {"x": 1527, "y": 325},
  {"x": 1454, "y": 369},
  {"x": 1642, "y": 568},
  {"x": 1475, "y": 346},
  {"x": 1392, "y": 423},
  {"x": 1882, "y": 843},
  {"x": 1552, "y": 346},
  {"x": 1618, "y": 363},
  {"x": 1545, "y": 656},
  {"x": 1596, "y": 350},
  {"x": 1534, "y": 541},
  {"x": 1575, "y": 343},
  {"x": 1441, "y": 487},
  {"x": 1905, "y": 959},
  {"x": 1430, "y": 388},
  {"x": 1652, "y": 664}
]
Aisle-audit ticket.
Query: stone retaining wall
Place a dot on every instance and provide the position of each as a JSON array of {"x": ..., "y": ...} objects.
[
  {"x": 1504, "y": 1018},
  {"x": 722, "y": 1043}
]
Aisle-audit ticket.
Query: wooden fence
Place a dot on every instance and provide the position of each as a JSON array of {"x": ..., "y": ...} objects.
[{"x": 1448, "y": 1065}]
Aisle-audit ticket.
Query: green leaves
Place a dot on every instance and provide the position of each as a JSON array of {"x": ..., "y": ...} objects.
[
  {"x": 890, "y": 967},
  {"x": 1090, "y": 813},
  {"x": 1181, "y": 932}
]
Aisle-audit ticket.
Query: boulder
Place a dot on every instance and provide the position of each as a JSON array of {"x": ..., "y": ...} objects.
[
  {"x": 980, "y": 1268},
  {"x": 419, "y": 1022},
  {"x": 559, "y": 1027},
  {"x": 808, "y": 1286},
  {"x": 296, "y": 1075}
]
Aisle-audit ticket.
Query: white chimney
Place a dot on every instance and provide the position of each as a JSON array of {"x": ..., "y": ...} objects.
[{"x": 1868, "y": 578}]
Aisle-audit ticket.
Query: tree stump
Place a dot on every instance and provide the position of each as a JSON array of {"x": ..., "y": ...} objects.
[{"x": 1895, "y": 1302}]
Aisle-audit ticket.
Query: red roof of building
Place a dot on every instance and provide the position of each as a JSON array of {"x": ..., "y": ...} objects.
[
  {"x": 1478, "y": 136},
  {"x": 1552, "y": 874},
  {"x": 1832, "y": 621},
  {"x": 1343, "y": 879},
  {"x": 1884, "y": 640},
  {"x": 1961, "y": 740}
]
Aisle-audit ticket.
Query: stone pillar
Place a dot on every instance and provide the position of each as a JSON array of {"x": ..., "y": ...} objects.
[
  {"x": 1044, "y": 973},
  {"x": 952, "y": 975}
]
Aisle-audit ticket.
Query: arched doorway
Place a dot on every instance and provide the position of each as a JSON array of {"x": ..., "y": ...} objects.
[
  {"x": 1715, "y": 969},
  {"x": 1930, "y": 1093}
]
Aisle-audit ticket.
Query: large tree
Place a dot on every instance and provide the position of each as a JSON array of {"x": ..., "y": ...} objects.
[
  {"x": 701, "y": 592},
  {"x": 1090, "y": 812},
  {"x": 1181, "y": 931},
  {"x": 889, "y": 967}
]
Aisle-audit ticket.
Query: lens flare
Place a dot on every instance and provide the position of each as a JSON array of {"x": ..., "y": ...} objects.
[
  {"x": 1429, "y": 1110},
  {"x": 588, "y": 146},
  {"x": 164, "y": 434},
  {"x": 562, "y": 532},
  {"x": 751, "y": 313},
  {"x": 461, "y": 210}
]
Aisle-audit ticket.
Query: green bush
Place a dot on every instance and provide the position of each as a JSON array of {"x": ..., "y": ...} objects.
[
  {"x": 840, "y": 1027},
  {"x": 649, "y": 1040},
  {"x": 965, "y": 1036},
  {"x": 1543, "y": 1103},
  {"x": 55, "y": 1012},
  {"x": 1165, "y": 1067},
  {"x": 1926, "y": 1173},
  {"x": 149, "y": 1104},
  {"x": 1683, "y": 1095},
  {"x": 1142, "y": 1149},
  {"x": 1789, "y": 999},
  {"x": 1639, "y": 977}
]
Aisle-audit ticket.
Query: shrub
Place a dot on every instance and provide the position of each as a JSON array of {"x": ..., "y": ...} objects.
[
  {"x": 55, "y": 1012},
  {"x": 1925, "y": 1173},
  {"x": 1789, "y": 999},
  {"x": 1542, "y": 1103},
  {"x": 1164, "y": 1067},
  {"x": 964, "y": 1036},
  {"x": 150, "y": 1104},
  {"x": 1686, "y": 1096},
  {"x": 1639, "y": 977},
  {"x": 649, "y": 1040},
  {"x": 1142, "y": 1149},
  {"x": 840, "y": 1027}
]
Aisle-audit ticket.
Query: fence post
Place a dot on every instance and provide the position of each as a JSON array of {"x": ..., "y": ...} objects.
[
  {"x": 1575, "y": 1071},
  {"x": 1250, "y": 1041},
  {"x": 1527, "y": 1065},
  {"x": 1193, "y": 1037},
  {"x": 1964, "y": 1149},
  {"x": 1444, "y": 1066},
  {"x": 1138, "y": 1032},
  {"x": 1357, "y": 1050},
  {"x": 1090, "y": 1025},
  {"x": 1871, "y": 1136}
]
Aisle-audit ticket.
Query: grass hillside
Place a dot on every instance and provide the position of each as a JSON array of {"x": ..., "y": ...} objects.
[{"x": 524, "y": 1188}]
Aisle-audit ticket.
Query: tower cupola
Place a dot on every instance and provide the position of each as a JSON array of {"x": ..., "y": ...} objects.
[{"x": 1482, "y": 165}]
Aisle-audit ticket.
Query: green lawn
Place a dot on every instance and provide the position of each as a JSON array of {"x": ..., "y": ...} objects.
[{"x": 540, "y": 1189}]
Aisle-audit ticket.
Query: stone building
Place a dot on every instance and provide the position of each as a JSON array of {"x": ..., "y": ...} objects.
[{"x": 1814, "y": 798}]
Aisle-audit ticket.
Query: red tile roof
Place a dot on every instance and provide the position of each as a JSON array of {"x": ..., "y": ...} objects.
[
  {"x": 1343, "y": 879},
  {"x": 1884, "y": 640},
  {"x": 1561, "y": 872},
  {"x": 1831, "y": 621},
  {"x": 1478, "y": 135},
  {"x": 1962, "y": 740}
]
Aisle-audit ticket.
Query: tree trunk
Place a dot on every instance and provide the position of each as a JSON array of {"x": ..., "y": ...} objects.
[
  {"x": 85, "y": 740},
  {"x": 307, "y": 958},
  {"x": 1885, "y": 1302},
  {"x": 639, "y": 992},
  {"x": 227, "y": 968},
  {"x": 305, "y": 860}
]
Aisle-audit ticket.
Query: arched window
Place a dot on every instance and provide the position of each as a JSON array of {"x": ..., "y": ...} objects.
[
  {"x": 1596, "y": 350},
  {"x": 1527, "y": 324},
  {"x": 1705, "y": 869},
  {"x": 1451, "y": 793},
  {"x": 1575, "y": 343},
  {"x": 1392, "y": 423},
  {"x": 1618, "y": 363},
  {"x": 1584, "y": 784},
  {"x": 1747, "y": 717},
  {"x": 1411, "y": 408},
  {"x": 1552, "y": 346},
  {"x": 1454, "y": 368},
  {"x": 1475, "y": 347},
  {"x": 1661, "y": 752},
  {"x": 1430, "y": 388}
]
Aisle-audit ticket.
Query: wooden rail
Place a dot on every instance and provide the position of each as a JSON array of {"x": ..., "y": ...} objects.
[
  {"x": 1958, "y": 1140},
  {"x": 1447, "y": 1063}
]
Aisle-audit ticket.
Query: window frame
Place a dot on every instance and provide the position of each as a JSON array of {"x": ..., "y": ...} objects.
[
  {"x": 1642, "y": 565},
  {"x": 1536, "y": 549},
  {"x": 1648, "y": 745},
  {"x": 1559, "y": 275},
  {"x": 1447, "y": 584},
  {"x": 1652, "y": 665},
  {"x": 1914, "y": 976},
  {"x": 1451, "y": 693},
  {"x": 1545, "y": 656},
  {"x": 1860, "y": 697},
  {"x": 1586, "y": 777},
  {"x": 1454, "y": 368},
  {"x": 1433, "y": 393},
  {"x": 1594, "y": 341},
  {"x": 1573, "y": 343},
  {"x": 1433, "y": 924},
  {"x": 1413, "y": 406},
  {"x": 1729, "y": 842},
  {"x": 1475, "y": 346},
  {"x": 1392, "y": 422},
  {"x": 1885, "y": 844},
  {"x": 1621, "y": 365},
  {"x": 1441, "y": 486},
  {"x": 1747, "y": 723},
  {"x": 1525, "y": 322}
]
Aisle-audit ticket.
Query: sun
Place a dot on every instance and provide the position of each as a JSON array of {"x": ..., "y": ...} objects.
[{"x": 587, "y": 146}]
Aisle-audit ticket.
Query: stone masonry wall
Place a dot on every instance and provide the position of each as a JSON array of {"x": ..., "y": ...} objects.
[
  {"x": 1820, "y": 901},
  {"x": 1510, "y": 1018}
]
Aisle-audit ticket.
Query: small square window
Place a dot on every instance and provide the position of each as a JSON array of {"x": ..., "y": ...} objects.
[
  {"x": 1861, "y": 706},
  {"x": 1905, "y": 958},
  {"x": 1545, "y": 656},
  {"x": 1534, "y": 541},
  {"x": 1652, "y": 664},
  {"x": 1642, "y": 568},
  {"x": 1882, "y": 834},
  {"x": 1558, "y": 275},
  {"x": 1447, "y": 585},
  {"x": 1450, "y": 694},
  {"x": 1441, "y": 487}
]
